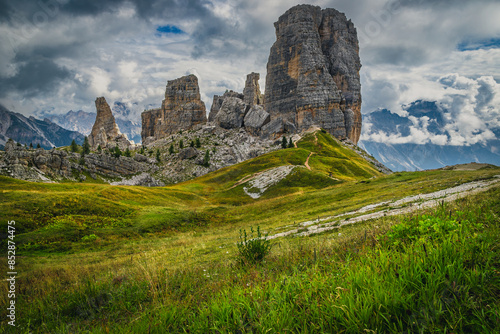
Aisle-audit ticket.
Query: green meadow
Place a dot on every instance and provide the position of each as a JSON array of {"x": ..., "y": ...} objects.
[{"x": 95, "y": 258}]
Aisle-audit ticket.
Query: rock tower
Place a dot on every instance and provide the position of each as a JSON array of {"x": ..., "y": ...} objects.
[
  {"x": 181, "y": 109},
  {"x": 313, "y": 72},
  {"x": 105, "y": 131}
]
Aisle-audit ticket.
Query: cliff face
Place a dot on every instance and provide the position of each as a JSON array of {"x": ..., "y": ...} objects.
[
  {"x": 313, "y": 72},
  {"x": 181, "y": 110},
  {"x": 105, "y": 131}
]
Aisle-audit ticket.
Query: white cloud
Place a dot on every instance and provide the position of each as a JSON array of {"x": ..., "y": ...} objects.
[
  {"x": 470, "y": 108},
  {"x": 405, "y": 46}
]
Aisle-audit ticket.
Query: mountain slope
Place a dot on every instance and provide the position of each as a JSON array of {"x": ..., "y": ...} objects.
[
  {"x": 31, "y": 130},
  {"x": 427, "y": 137},
  {"x": 318, "y": 161}
]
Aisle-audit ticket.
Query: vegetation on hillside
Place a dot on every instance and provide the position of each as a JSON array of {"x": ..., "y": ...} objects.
[{"x": 99, "y": 258}]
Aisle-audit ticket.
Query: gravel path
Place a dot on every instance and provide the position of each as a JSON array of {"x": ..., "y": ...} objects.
[{"x": 402, "y": 206}]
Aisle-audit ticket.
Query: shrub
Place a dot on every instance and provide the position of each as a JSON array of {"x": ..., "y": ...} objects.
[
  {"x": 90, "y": 238},
  {"x": 253, "y": 249}
]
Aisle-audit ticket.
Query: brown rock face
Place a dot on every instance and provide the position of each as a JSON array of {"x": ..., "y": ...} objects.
[
  {"x": 105, "y": 132},
  {"x": 313, "y": 72},
  {"x": 181, "y": 110},
  {"x": 251, "y": 93}
]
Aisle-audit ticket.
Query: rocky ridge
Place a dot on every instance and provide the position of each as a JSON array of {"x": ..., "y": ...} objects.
[{"x": 57, "y": 165}]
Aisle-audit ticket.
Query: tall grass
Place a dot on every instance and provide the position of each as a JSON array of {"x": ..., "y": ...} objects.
[{"x": 436, "y": 271}]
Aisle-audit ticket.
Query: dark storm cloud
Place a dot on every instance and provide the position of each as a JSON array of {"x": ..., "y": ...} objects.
[
  {"x": 399, "y": 55},
  {"x": 39, "y": 75},
  {"x": 436, "y": 3}
]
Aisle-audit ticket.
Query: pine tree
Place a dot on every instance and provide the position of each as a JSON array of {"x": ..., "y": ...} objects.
[
  {"x": 206, "y": 159},
  {"x": 158, "y": 155},
  {"x": 99, "y": 148},
  {"x": 142, "y": 150},
  {"x": 86, "y": 146},
  {"x": 117, "y": 152},
  {"x": 127, "y": 152},
  {"x": 181, "y": 144},
  {"x": 31, "y": 145},
  {"x": 38, "y": 145},
  {"x": 198, "y": 143},
  {"x": 171, "y": 149},
  {"x": 284, "y": 142},
  {"x": 191, "y": 144},
  {"x": 73, "y": 146},
  {"x": 290, "y": 143}
]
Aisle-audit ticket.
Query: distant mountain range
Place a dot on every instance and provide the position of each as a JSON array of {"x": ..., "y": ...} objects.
[
  {"x": 34, "y": 131},
  {"x": 421, "y": 139}
]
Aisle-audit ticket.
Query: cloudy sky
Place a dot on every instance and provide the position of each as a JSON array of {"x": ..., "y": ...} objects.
[{"x": 59, "y": 55}]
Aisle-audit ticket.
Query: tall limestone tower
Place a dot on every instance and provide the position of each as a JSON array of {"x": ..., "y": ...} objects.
[{"x": 313, "y": 72}]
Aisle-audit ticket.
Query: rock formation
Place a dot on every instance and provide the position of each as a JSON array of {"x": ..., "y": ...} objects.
[
  {"x": 48, "y": 165},
  {"x": 231, "y": 113},
  {"x": 182, "y": 109},
  {"x": 251, "y": 93},
  {"x": 105, "y": 132},
  {"x": 255, "y": 119},
  {"x": 232, "y": 109},
  {"x": 217, "y": 103},
  {"x": 313, "y": 72}
]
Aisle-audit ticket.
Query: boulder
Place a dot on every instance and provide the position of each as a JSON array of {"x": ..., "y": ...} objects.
[
  {"x": 255, "y": 119},
  {"x": 188, "y": 153},
  {"x": 231, "y": 113},
  {"x": 273, "y": 129}
]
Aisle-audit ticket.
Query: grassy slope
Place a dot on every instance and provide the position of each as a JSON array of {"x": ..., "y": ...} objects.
[{"x": 75, "y": 237}]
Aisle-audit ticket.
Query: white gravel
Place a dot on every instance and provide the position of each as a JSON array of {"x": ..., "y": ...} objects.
[
  {"x": 411, "y": 203},
  {"x": 259, "y": 184}
]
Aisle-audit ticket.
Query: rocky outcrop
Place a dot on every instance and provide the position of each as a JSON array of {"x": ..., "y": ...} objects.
[
  {"x": 217, "y": 103},
  {"x": 251, "y": 93},
  {"x": 231, "y": 113},
  {"x": 105, "y": 132},
  {"x": 181, "y": 109},
  {"x": 55, "y": 165},
  {"x": 255, "y": 119},
  {"x": 313, "y": 72}
]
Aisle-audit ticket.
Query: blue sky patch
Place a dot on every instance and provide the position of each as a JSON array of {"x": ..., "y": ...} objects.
[
  {"x": 469, "y": 45},
  {"x": 168, "y": 29}
]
